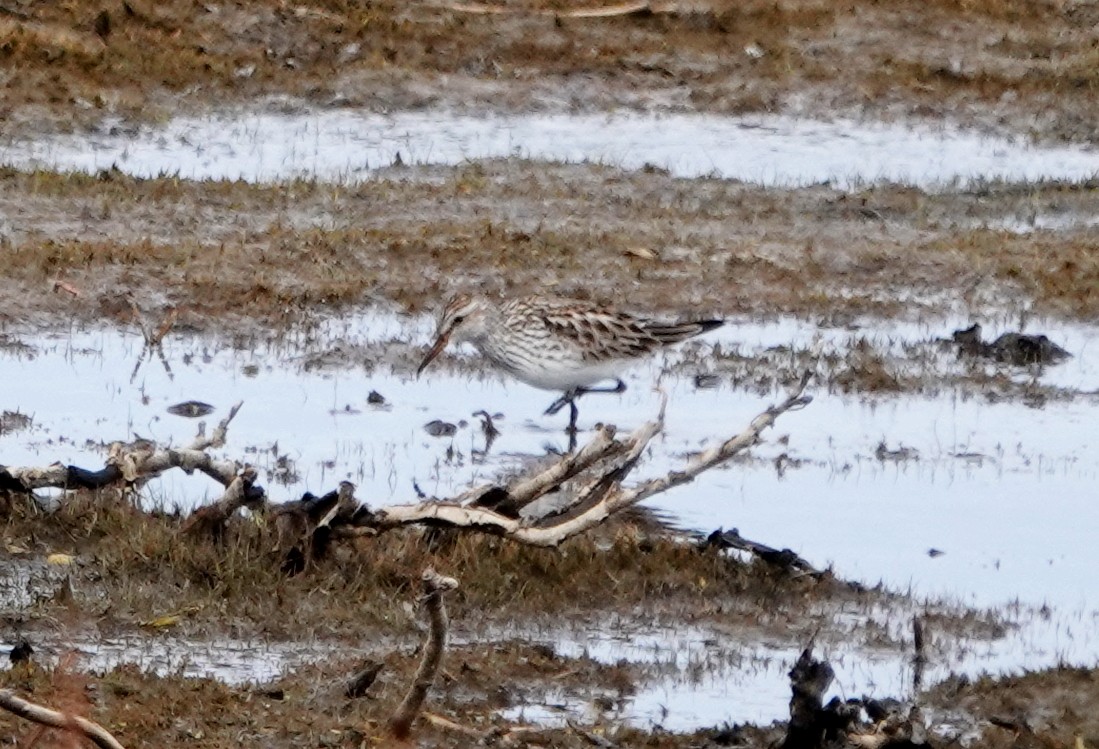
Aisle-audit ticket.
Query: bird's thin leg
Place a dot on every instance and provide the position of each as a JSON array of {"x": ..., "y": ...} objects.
[
  {"x": 561, "y": 402},
  {"x": 571, "y": 428}
]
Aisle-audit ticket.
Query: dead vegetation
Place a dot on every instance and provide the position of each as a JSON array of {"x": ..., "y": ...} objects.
[
  {"x": 589, "y": 485},
  {"x": 1002, "y": 62},
  {"x": 145, "y": 710},
  {"x": 222, "y": 251},
  {"x": 1052, "y": 708},
  {"x": 132, "y": 568}
]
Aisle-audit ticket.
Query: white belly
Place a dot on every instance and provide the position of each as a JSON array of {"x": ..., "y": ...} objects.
[
  {"x": 558, "y": 369},
  {"x": 561, "y": 378}
]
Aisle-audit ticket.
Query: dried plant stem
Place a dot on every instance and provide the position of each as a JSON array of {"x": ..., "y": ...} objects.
[
  {"x": 94, "y": 732},
  {"x": 434, "y": 586}
]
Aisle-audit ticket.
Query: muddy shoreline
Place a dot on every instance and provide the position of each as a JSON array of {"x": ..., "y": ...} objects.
[
  {"x": 274, "y": 255},
  {"x": 996, "y": 64}
]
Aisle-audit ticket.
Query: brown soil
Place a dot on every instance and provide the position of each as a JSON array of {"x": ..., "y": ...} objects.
[{"x": 1027, "y": 66}]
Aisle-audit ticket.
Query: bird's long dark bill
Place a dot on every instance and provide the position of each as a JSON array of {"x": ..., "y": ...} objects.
[{"x": 436, "y": 349}]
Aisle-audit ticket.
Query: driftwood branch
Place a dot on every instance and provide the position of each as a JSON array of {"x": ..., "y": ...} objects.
[
  {"x": 306, "y": 527},
  {"x": 94, "y": 732},
  {"x": 506, "y": 736},
  {"x": 594, "y": 500},
  {"x": 131, "y": 463},
  {"x": 434, "y": 586},
  {"x": 815, "y": 725},
  {"x": 787, "y": 559},
  {"x": 211, "y": 518},
  {"x": 601, "y": 447}
]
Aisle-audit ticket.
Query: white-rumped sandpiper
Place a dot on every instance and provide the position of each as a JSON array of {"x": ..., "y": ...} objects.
[{"x": 557, "y": 344}]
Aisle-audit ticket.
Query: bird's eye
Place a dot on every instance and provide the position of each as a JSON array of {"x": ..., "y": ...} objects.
[{"x": 458, "y": 319}]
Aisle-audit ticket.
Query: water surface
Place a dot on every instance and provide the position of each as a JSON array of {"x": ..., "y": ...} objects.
[
  {"x": 350, "y": 145},
  {"x": 1004, "y": 490}
]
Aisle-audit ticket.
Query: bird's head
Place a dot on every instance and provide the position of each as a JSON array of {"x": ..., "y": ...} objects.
[{"x": 464, "y": 318}]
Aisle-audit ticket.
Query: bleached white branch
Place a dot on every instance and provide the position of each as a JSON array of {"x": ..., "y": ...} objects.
[
  {"x": 604, "y": 493},
  {"x": 136, "y": 462}
]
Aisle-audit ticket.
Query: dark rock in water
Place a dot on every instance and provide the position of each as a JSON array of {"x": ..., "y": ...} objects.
[
  {"x": 375, "y": 398},
  {"x": 707, "y": 381},
  {"x": 879, "y": 710},
  {"x": 191, "y": 409},
  {"x": 1012, "y": 348},
  {"x": 21, "y": 652},
  {"x": 439, "y": 428},
  {"x": 1018, "y": 348},
  {"x": 362, "y": 680},
  {"x": 969, "y": 339}
]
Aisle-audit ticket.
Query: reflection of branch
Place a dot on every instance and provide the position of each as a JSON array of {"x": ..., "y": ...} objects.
[
  {"x": 94, "y": 732},
  {"x": 598, "y": 498},
  {"x": 435, "y": 585}
]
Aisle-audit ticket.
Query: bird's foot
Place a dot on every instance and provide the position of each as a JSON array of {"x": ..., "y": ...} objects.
[
  {"x": 565, "y": 400},
  {"x": 619, "y": 387}
]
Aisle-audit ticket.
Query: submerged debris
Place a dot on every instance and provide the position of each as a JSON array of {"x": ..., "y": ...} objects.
[
  {"x": 783, "y": 558},
  {"x": 22, "y": 651},
  {"x": 191, "y": 409},
  {"x": 1012, "y": 348},
  {"x": 440, "y": 428},
  {"x": 902, "y": 453},
  {"x": 488, "y": 426},
  {"x": 14, "y": 421}
]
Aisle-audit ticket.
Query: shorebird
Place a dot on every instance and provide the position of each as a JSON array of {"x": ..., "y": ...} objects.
[{"x": 557, "y": 344}]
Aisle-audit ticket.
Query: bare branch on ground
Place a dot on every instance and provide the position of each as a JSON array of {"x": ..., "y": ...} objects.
[
  {"x": 94, "y": 732},
  {"x": 434, "y": 586},
  {"x": 593, "y": 500}
]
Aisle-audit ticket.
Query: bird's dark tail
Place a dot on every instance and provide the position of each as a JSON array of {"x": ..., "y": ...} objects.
[{"x": 676, "y": 332}]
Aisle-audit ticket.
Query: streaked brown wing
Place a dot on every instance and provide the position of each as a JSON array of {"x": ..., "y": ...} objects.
[{"x": 600, "y": 334}]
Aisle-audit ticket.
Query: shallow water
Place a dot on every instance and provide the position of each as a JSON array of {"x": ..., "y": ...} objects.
[
  {"x": 707, "y": 677},
  {"x": 343, "y": 144},
  {"x": 1006, "y": 491},
  {"x": 236, "y": 662}
]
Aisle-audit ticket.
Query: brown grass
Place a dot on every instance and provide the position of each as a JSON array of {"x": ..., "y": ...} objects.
[
  {"x": 279, "y": 253},
  {"x": 1053, "y": 708},
  {"x": 146, "y": 568},
  {"x": 65, "y": 72},
  {"x": 1062, "y": 271}
]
